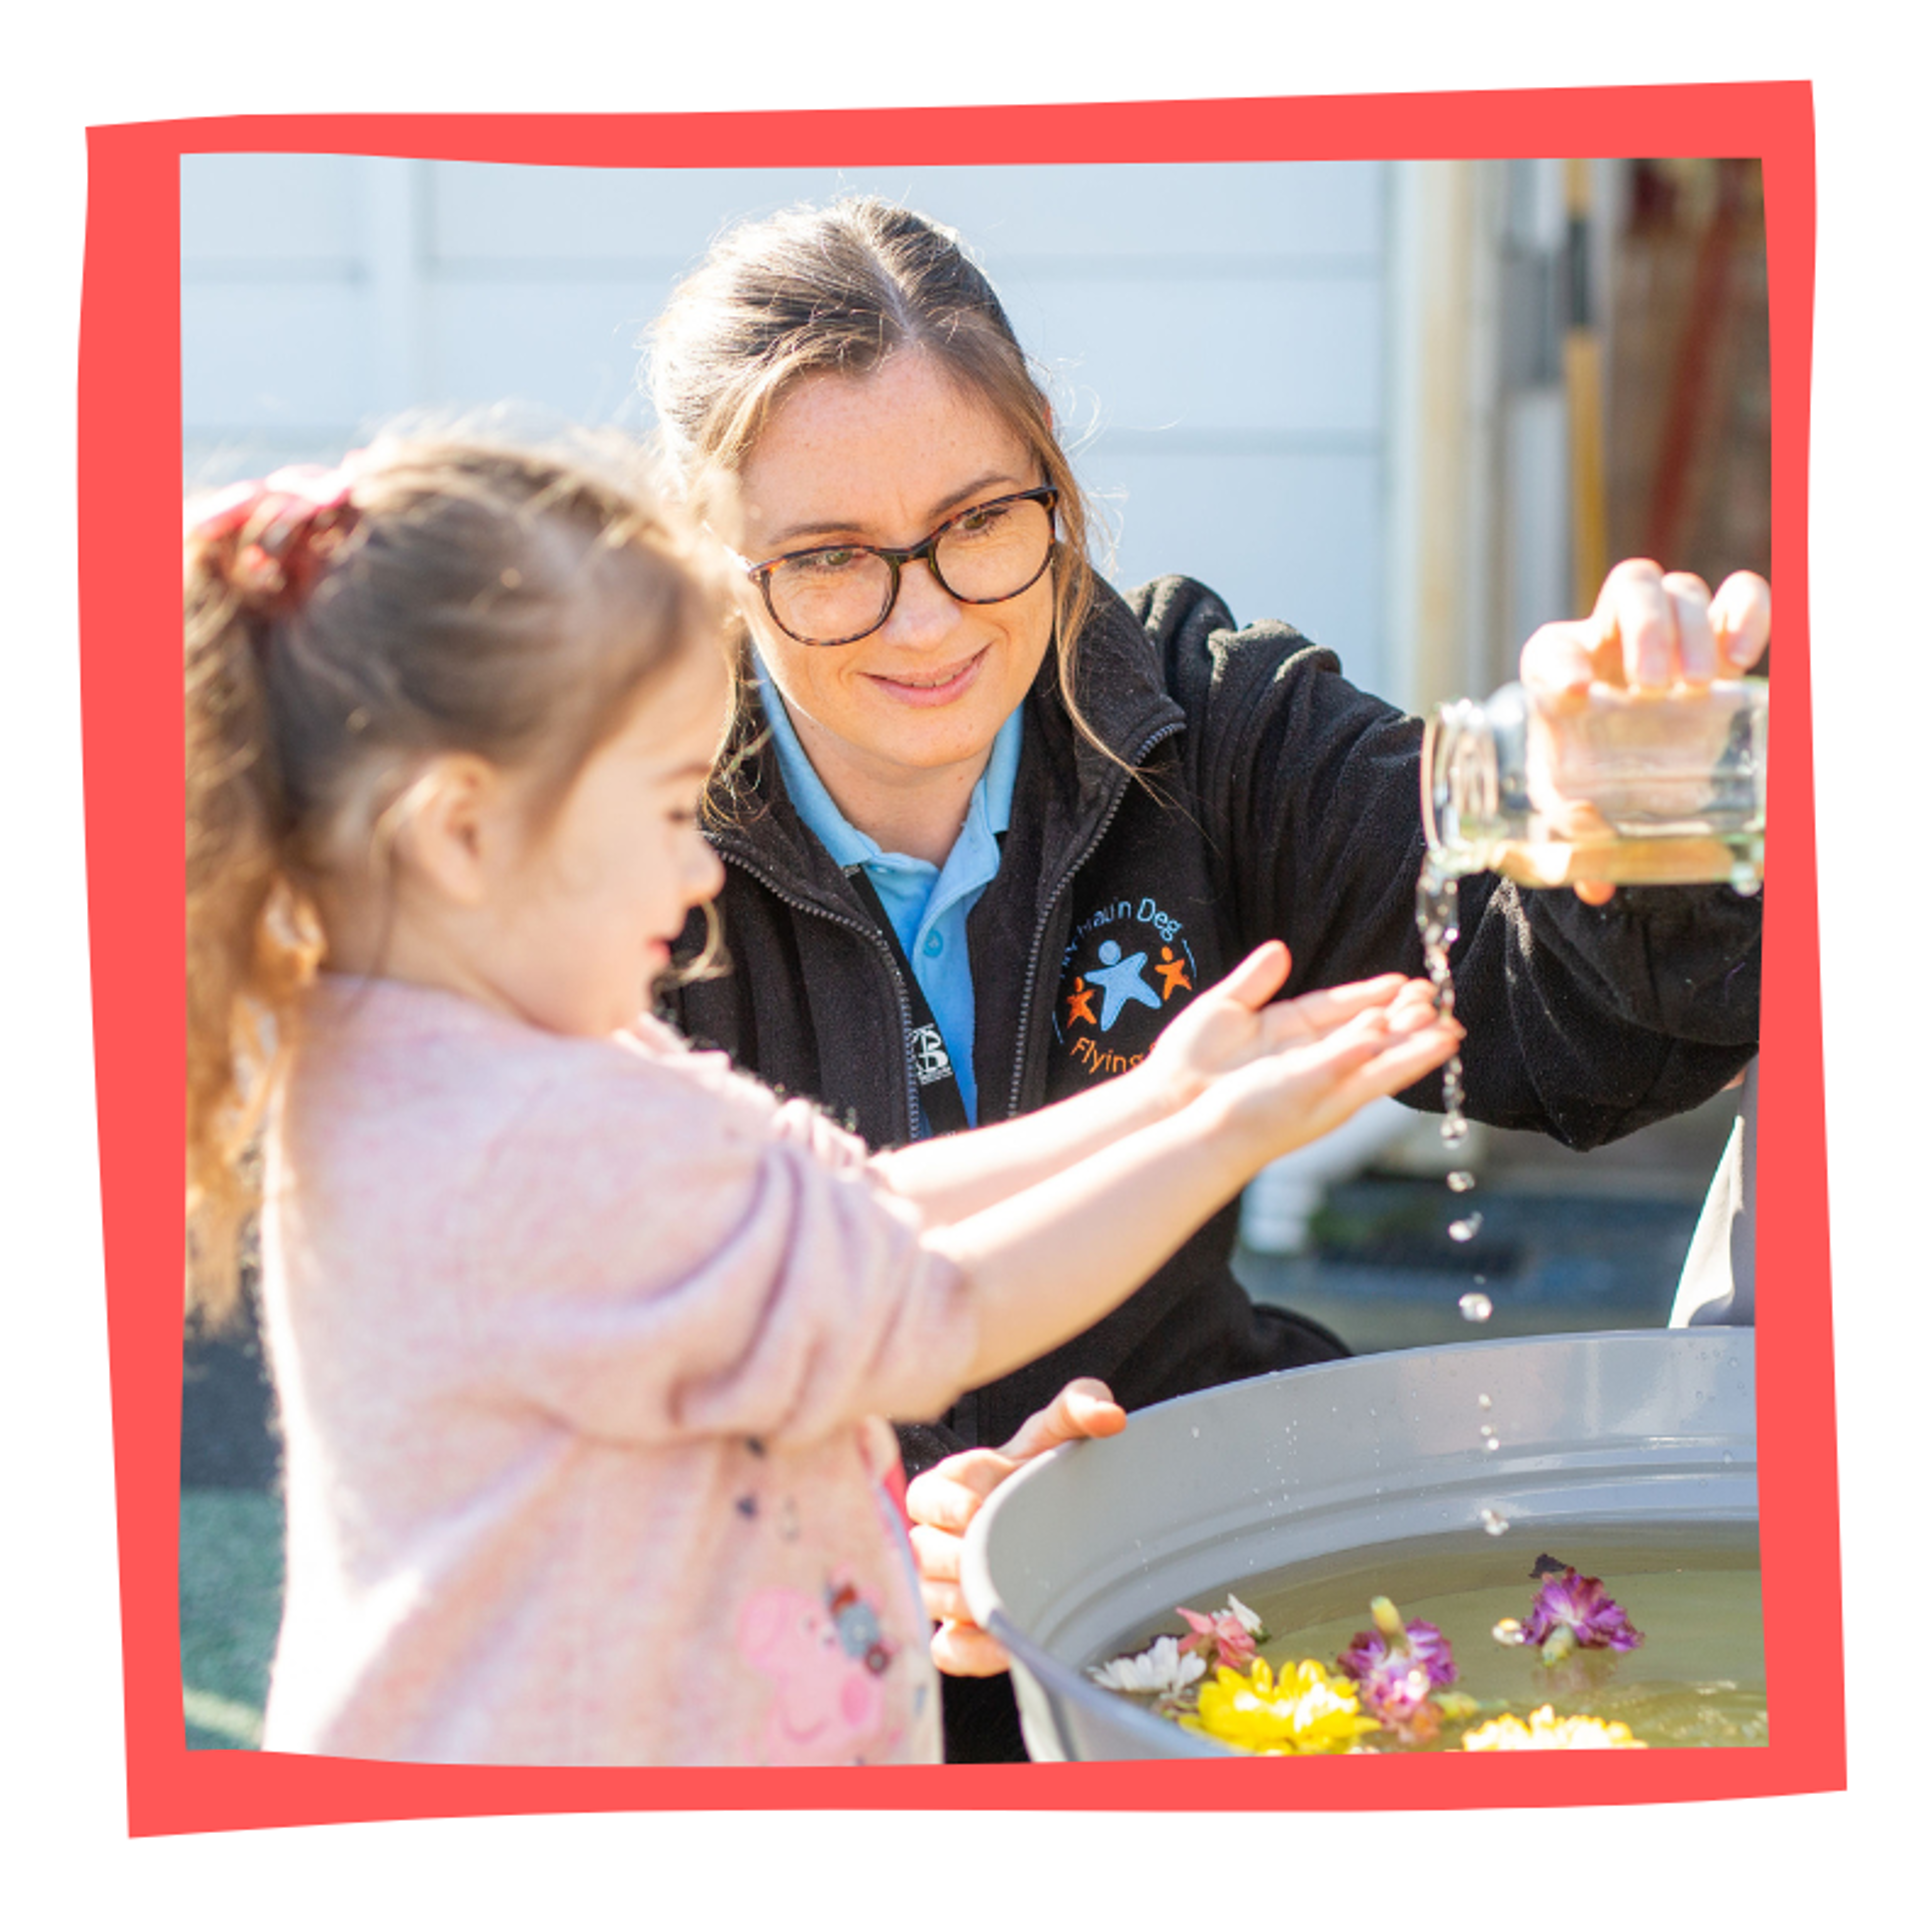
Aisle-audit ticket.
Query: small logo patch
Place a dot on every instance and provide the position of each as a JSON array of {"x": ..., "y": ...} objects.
[
  {"x": 1127, "y": 971},
  {"x": 930, "y": 1062}
]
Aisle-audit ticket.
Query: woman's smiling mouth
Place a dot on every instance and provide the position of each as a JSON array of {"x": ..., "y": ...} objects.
[{"x": 936, "y": 688}]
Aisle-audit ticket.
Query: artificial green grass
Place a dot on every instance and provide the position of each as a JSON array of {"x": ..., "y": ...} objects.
[{"x": 231, "y": 1574}]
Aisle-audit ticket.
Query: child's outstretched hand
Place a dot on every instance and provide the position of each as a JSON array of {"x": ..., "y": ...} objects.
[
  {"x": 1322, "y": 1069},
  {"x": 1239, "y": 1022}
]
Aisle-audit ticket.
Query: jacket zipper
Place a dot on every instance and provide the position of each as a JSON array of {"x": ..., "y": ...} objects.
[
  {"x": 877, "y": 940},
  {"x": 1046, "y": 913}
]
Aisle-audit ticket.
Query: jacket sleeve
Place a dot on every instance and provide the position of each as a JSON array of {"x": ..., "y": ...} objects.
[
  {"x": 1582, "y": 1022},
  {"x": 652, "y": 1270}
]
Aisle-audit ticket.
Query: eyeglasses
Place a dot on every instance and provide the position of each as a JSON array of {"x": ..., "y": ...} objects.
[{"x": 833, "y": 596}]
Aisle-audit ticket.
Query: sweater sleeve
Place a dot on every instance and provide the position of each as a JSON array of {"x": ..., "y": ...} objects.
[
  {"x": 655, "y": 1261},
  {"x": 1582, "y": 1022}
]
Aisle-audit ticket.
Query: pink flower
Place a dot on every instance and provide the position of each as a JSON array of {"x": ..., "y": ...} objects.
[{"x": 1226, "y": 1638}]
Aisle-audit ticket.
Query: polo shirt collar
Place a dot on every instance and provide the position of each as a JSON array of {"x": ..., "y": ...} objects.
[{"x": 988, "y": 810}]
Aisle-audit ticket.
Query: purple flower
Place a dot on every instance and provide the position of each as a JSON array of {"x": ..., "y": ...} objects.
[
  {"x": 1422, "y": 1644},
  {"x": 1400, "y": 1666},
  {"x": 1572, "y": 1611}
]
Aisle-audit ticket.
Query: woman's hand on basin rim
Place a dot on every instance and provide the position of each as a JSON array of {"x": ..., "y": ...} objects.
[{"x": 942, "y": 1503}]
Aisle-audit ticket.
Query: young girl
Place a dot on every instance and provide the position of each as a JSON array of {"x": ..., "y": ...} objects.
[{"x": 577, "y": 1333}]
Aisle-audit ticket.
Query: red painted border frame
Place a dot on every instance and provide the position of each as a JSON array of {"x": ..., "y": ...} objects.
[{"x": 129, "y": 481}]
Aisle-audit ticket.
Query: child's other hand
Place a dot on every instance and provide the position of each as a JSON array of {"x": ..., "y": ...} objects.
[
  {"x": 1239, "y": 1021},
  {"x": 1309, "y": 1084},
  {"x": 942, "y": 1503}
]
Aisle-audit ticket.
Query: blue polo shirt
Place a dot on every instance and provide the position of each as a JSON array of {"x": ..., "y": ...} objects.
[{"x": 928, "y": 905}]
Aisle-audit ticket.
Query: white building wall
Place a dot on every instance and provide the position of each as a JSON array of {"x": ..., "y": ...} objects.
[
  {"x": 1216, "y": 337},
  {"x": 1331, "y": 390}
]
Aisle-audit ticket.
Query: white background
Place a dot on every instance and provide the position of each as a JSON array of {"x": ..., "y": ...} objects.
[{"x": 64, "y": 1814}]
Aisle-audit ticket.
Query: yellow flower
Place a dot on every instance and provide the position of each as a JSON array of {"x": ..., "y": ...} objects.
[
  {"x": 1300, "y": 1711},
  {"x": 1543, "y": 1731}
]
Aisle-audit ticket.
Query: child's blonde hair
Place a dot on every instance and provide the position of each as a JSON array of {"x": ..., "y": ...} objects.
[{"x": 438, "y": 595}]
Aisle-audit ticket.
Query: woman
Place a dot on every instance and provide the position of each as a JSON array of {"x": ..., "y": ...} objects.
[{"x": 990, "y": 824}]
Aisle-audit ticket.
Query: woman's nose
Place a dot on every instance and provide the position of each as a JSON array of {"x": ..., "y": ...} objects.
[{"x": 924, "y": 612}]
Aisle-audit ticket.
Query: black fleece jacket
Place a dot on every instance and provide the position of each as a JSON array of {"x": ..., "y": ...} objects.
[{"x": 1258, "y": 795}]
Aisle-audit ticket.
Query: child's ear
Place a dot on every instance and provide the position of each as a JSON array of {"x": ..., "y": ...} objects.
[{"x": 451, "y": 825}]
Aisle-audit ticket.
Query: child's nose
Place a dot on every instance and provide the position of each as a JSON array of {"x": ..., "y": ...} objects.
[{"x": 704, "y": 873}]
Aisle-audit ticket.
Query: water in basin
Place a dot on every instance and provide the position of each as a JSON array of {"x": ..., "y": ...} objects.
[{"x": 1693, "y": 1590}]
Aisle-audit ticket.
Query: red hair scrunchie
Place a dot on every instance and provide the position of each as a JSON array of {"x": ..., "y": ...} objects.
[{"x": 294, "y": 520}]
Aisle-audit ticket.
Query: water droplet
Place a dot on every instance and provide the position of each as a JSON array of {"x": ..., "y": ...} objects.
[
  {"x": 1493, "y": 1443},
  {"x": 1726, "y": 1459},
  {"x": 1196, "y": 1433},
  {"x": 1464, "y": 1230},
  {"x": 1475, "y": 1306},
  {"x": 1487, "y": 1432},
  {"x": 1744, "y": 879},
  {"x": 1486, "y": 1400},
  {"x": 1508, "y": 1632},
  {"x": 1460, "y": 1181},
  {"x": 1453, "y": 1129},
  {"x": 1495, "y": 1522}
]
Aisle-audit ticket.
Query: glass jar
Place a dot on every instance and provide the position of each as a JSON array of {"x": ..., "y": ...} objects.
[{"x": 1628, "y": 786}]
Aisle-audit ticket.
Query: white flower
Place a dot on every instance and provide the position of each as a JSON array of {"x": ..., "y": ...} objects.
[
  {"x": 1245, "y": 1615},
  {"x": 1163, "y": 1668}
]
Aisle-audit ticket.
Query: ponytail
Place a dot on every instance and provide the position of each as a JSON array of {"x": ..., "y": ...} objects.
[
  {"x": 448, "y": 594},
  {"x": 252, "y": 555}
]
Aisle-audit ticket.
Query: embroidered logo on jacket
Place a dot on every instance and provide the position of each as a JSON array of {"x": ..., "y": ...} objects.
[{"x": 1127, "y": 971}]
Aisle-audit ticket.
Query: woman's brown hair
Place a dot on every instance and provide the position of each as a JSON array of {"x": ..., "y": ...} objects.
[
  {"x": 838, "y": 289},
  {"x": 456, "y": 595}
]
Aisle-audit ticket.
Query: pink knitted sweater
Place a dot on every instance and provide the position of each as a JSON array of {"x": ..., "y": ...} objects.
[{"x": 575, "y": 1343}]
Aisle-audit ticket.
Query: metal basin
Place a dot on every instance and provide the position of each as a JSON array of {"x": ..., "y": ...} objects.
[{"x": 1093, "y": 1545}]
